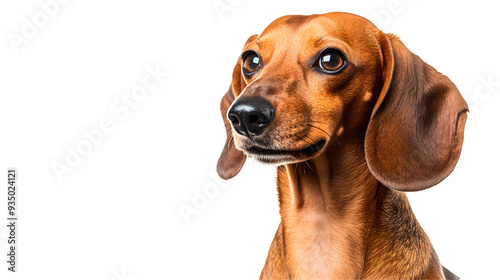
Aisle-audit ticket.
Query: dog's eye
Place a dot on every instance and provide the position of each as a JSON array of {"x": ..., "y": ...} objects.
[
  {"x": 251, "y": 63},
  {"x": 331, "y": 61}
]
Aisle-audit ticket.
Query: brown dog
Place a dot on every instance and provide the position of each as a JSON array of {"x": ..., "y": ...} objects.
[{"x": 352, "y": 118}]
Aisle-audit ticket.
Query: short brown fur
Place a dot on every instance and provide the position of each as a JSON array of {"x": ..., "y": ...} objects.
[{"x": 391, "y": 123}]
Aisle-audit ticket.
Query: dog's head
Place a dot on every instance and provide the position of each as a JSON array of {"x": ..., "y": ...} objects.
[{"x": 308, "y": 80}]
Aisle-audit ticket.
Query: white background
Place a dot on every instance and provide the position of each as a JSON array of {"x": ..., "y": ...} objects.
[{"x": 116, "y": 214}]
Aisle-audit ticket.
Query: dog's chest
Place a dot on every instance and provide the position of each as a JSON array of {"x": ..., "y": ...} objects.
[{"x": 314, "y": 249}]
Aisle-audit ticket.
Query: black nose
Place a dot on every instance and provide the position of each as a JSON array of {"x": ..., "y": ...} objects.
[{"x": 250, "y": 116}]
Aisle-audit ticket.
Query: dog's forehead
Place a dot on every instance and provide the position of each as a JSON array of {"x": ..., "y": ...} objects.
[{"x": 301, "y": 29}]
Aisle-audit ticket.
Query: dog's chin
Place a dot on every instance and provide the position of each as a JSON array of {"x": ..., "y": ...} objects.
[{"x": 283, "y": 156}]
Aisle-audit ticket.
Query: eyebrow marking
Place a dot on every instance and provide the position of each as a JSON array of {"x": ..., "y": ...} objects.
[
  {"x": 316, "y": 43},
  {"x": 258, "y": 42}
]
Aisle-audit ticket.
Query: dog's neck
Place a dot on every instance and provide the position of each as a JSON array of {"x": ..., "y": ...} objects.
[
  {"x": 327, "y": 206},
  {"x": 329, "y": 183},
  {"x": 332, "y": 208}
]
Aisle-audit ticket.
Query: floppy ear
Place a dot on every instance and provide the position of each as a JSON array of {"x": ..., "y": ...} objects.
[
  {"x": 231, "y": 160},
  {"x": 416, "y": 130}
]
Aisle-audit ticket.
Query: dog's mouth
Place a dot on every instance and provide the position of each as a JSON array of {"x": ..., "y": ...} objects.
[{"x": 279, "y": 156}]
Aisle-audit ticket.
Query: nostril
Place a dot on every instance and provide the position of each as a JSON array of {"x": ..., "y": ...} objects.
[{"x": 234, "y": 120}]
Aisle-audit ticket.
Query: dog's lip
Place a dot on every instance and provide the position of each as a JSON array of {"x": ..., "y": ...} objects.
[{"x": 310, "y": 150}]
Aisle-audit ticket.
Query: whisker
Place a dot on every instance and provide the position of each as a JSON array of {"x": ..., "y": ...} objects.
[
  {"x": 230, "y": 140},
  {"x": 313, "y": 126},
  {"x": 317, "y": 122},
  {"x": 308, "y": 143},
  {"x": 339, "y": 143},
  {"x": 310, "y": 167},
  {"x": 312, "y": 141},
  {"x": 307, "y": 163}
]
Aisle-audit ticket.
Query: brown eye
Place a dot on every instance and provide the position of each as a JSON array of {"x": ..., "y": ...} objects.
[
  {"x": 251, "y": 63},
  {"x": 331, "y": 61}
]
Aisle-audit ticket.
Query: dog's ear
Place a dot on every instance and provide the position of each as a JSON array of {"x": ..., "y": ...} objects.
[
  {"x": 415, "y": 134},
  {"x": 231, "y": 159}
]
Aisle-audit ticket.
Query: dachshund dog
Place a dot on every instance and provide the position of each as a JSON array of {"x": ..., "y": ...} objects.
[{"x": 352, "y": 119}]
